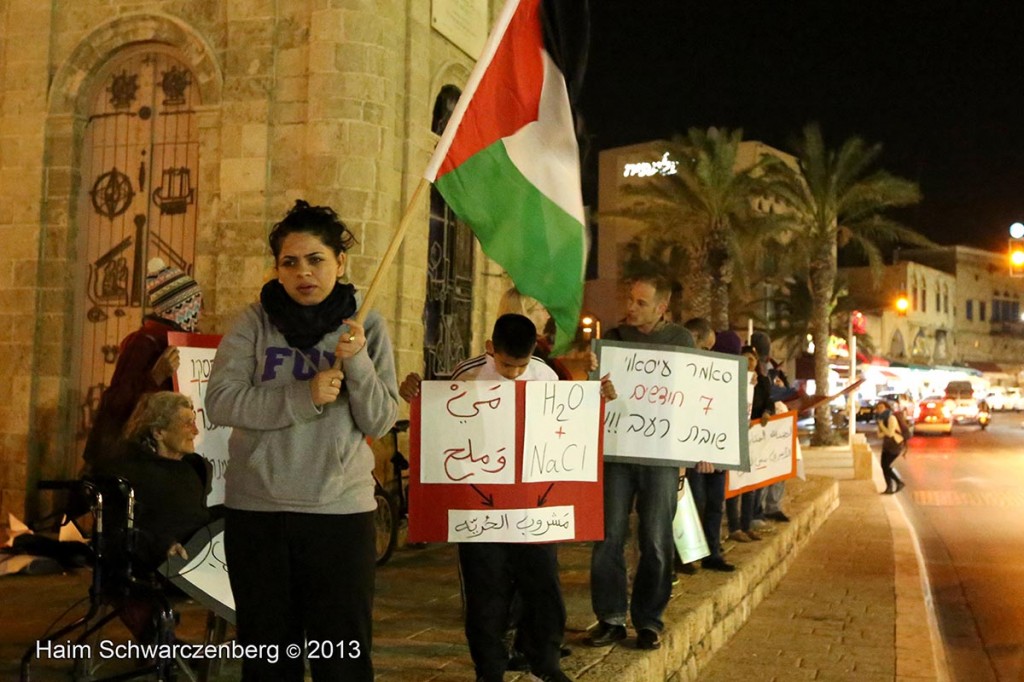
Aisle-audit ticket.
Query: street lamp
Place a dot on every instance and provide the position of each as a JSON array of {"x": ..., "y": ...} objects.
[{"x": 902, "y": 304}]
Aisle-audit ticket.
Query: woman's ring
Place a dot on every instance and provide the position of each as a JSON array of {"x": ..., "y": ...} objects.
[
  {"x": 351, "y": 338},
  {"x": 335, "y": 382}
]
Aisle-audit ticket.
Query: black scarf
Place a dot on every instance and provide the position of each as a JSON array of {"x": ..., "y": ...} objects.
[{"x": 304, "y": 325}]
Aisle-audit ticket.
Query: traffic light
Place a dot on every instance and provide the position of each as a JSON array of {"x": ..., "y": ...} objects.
[{"x": 1016, "y": 255}]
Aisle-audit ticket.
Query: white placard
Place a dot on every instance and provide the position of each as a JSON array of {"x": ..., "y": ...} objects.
[
  {"x": 560, "y": 441},
  {"x": 468, "y": 432},
  {"x": 676, "y": 406},
  {"x": 537, "y": 524},
  {"x": 212, "y": 442},
  {"x": 204, "y": 575},
  {"x": 771, "y": 453}
]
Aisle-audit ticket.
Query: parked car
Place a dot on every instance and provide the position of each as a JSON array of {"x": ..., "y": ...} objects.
[
  {"x": 996, "y": 398},
  {"x": 934, "y": 415},
  {"x": 1014, "y": 399}
]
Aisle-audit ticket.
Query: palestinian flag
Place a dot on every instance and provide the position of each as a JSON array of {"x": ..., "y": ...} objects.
[{"x": 508, "y": 164}]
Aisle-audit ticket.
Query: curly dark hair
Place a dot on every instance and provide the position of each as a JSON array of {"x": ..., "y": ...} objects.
[{"x": 320, "y": 221}]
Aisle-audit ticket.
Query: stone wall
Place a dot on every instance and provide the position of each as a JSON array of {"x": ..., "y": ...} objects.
[{"x": 330, "y": 101}]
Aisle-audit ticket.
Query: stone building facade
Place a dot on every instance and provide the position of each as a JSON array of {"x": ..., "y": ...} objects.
[{"x": 184, "y": 129}]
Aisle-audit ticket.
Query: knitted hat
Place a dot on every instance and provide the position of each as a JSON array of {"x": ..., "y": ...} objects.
[
  {"x": 727, "y": 342},
  {"x": 173, "y": 295}
]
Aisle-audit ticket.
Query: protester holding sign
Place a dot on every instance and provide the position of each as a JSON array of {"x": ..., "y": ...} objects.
[
  {"x": 492, "y": 572},
  {"x": 145, "y": 361},
  {"x": 706, "y": 482},
  {"x": 302, "y": 384},
  {"x": 652, "y": 487}
]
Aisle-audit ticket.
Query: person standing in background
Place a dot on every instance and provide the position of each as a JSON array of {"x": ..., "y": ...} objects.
[{"x": 146, "y": 363}]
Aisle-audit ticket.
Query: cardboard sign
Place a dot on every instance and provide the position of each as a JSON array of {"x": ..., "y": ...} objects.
[
  {"x": 773, "y": 449},
  {"x": 676, "y": 406},
  {"x": 196, "y": 353},
  {"x": 506, "y": 461},
  {"x": 204, "y": 575}
]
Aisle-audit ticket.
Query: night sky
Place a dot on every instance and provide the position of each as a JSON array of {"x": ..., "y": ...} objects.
[{"x": 941, "y": 89}]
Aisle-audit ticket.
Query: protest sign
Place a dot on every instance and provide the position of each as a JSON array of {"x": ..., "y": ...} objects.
[
  {"x": 204, "y": 575},
  {"x": 773, "y": 450},
  {"x": 506, "y": 461},
  {"x": 676, "y": 406},
  {"x": 196, "y": 353}
]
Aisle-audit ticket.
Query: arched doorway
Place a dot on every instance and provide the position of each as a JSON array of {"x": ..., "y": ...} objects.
[
  {"x": 449, "y": 302},
  {"x": 138, "y": 200}
]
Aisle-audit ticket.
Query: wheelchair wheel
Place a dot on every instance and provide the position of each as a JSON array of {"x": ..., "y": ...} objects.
[{"x": 385, "y": 522}]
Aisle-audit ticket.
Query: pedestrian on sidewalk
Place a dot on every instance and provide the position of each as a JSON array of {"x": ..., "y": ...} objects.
[
  {"x": 493, "y": 572},
  {"x": 893, "y": 445},
  {"x": 303, "y": 384},
  {"x": 740, "y": 510},
  {"x": 653, "y": 489}
]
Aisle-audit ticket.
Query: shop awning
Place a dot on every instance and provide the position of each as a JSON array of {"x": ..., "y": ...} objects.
[{"x": 987, "y": 367}]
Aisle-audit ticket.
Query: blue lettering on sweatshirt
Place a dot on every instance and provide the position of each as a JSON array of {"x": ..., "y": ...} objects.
[{"x": 303, "y": 365}]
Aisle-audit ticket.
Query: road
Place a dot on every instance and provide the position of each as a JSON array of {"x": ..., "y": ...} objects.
[{"x": 966, "y": 502}]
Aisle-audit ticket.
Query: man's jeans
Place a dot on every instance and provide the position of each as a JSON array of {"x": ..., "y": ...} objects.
[
  {"x": 655, "y": 489},
  {"x": 708, "y": 496}
]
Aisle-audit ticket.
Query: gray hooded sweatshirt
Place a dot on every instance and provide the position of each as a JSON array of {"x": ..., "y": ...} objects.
[{"x": 285, "y": 453}]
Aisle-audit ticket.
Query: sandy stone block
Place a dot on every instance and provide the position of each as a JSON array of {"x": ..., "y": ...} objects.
[
  {"x": 254, "y": 140},
  {"x": 254, "y": 30},
  {"x": 291, "y": 88},
  {"x": 363, "y": 86},
  {"x": 248, "y": 87},
  {"x": 243, "y": 175},
  {"x": 358, "y": 173},
  {"x": 326, "y": 25},
  {"x": 292, "y": 62},
  {"x": 322, "y": 58},
  {"x": 291, "y": 113},
  {"x": 364, "y": 138},
  {"x": 325, "y": 137},
  {"x": 367, "y": 27}
]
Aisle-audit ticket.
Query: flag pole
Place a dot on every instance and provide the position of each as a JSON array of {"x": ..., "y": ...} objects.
[{"x": 389, "y": 255}]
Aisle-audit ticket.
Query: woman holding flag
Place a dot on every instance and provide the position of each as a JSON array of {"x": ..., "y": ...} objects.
[{"x": 303, "y": 384}]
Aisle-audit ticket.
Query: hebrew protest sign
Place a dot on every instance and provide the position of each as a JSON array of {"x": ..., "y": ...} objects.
[
  {"x": 196, "y": 352},
  {"x": 676, "y": 406},
  {"x": 506, "y": 461},
  {"x": 204, "y": 575},
  {"x": 773, "y": 449}
]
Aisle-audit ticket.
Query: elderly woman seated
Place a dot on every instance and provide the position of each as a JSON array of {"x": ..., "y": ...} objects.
[{"x": 170, "y": 481}]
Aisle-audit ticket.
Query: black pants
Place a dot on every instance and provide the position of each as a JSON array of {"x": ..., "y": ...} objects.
[
  {"x": 303, "y": 578},
  {"x": 740, "y": 510},
  {"x": 708, "y": 494},
  {"x": 889, "y": 456},
  {"x": 491, "y": 572}
]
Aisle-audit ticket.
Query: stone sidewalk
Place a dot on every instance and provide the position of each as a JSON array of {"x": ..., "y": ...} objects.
[
  {"x": 850, "y": 607},
  {"x": 836, "y": 606}
]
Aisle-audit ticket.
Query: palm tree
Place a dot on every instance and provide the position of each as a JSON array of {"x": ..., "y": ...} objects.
[
  {"x": 702, "y": 218},
  {"x": 835, "y": 198}
]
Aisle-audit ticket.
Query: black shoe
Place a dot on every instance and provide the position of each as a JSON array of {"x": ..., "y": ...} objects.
[
  {"x": 778, "y": 516},
  {"x": 718, "y": 564},
  {"x": 648, "y": 639},
  {"x": 900, "y": 485},
  {"x": 689, "y": 569},
  {"x": 606, "y": 634},
  {"x": 553, "y": 676}
]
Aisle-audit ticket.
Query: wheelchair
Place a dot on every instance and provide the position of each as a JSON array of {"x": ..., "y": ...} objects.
[{"x": 119, "y": 584}]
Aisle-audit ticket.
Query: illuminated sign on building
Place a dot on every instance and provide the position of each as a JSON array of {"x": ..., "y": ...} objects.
[{"x": 645, "y": 169}]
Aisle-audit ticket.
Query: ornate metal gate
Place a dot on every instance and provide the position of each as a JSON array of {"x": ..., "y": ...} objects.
[
  {"x": 138, "y": 201},
  {"x": 449, "y": 304}
]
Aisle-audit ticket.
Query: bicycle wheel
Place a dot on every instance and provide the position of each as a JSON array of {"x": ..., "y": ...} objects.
[{"x": 385, "y": 522}]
